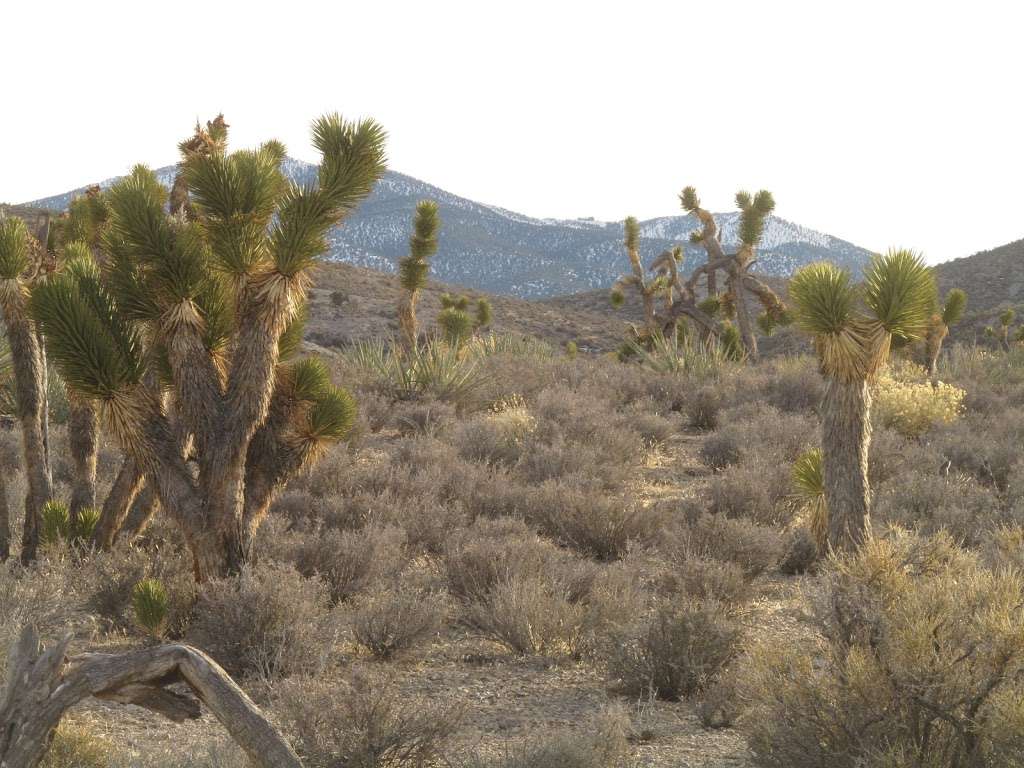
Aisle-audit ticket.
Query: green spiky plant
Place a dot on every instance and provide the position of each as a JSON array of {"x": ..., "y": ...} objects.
[
  {"x": 852, "y": 328},
  {"x": 808, "y": 499},
  {"x": 456, "y": 324},
  {"x": 483, "y": 314},
  {"x": 951, "y": 313},
  {"x": 151, "y": 606},
  {"x": 206, "y": 303},
  {"x": 413, "y": 269},
  {"x": 23, "y": 264},
  {"x": 637, "y": 278}
]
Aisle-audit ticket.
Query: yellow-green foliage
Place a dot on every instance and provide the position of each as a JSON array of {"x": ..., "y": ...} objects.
[
  {"x": 914, "y": 407},
  {"x": 58, "y": 526},
  {"x": 75, "y": 746},
  {"x": 149, "y": 599}
]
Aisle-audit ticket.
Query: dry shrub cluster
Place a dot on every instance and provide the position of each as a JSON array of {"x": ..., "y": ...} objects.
[{"x": 919, "y": 661}]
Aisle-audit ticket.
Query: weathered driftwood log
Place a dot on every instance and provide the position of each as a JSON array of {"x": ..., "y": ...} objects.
[{"x": 42, "y": 684}]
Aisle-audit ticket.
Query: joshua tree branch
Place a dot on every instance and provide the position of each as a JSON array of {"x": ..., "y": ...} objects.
[{"x": 43, "y": 684}]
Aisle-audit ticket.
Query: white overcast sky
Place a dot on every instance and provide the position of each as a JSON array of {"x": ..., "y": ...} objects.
[{"x": 885, "y": 123}]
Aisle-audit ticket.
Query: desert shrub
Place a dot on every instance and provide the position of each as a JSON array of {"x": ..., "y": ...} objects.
[
  {"x": 422, "y": 417},
  {"x": 800, "y": 552},
  {"x": 365, "y": 722},
  {"x": 653, "y": 428},
  {"x": 339, "y": 298},
  {"x": 753, "y": 489},
  {"x": 917, "y": 663},
  {"x": 676, "y": 653},
  {"x": 929, "y": 503},
  {"x": 348, "y": 562},
  {"x": 269, "y": 621},
  {"x": 721, "y": 449},
  {"x": 984, "y": 446},
  {"x": 753, "y": 547},
  {"x": 108, "y": 580},
  {"x": 496, "y": 437},
  {"x": 600, "y": 743},
  {"x": 389, "y": 621},
  {"x": 703, "y": 408},
  {"x": 1003, "y": 547},
  {"x": 706, "y": 579},
  {"x": 795, "y": 386},
  {"x": 591, "y": 522},
  {"x": 721, "y": 705},
  {"x": 77, "y": 746},
  {"x": 762, "y": 432},
  {"x": 914, "y": 407},
  {"x": 529, "y": 596}
]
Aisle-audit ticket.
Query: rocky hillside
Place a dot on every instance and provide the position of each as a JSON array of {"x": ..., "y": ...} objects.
[
  {"x": 503, "y": 252},
  {"x": 993, "y": 280}
]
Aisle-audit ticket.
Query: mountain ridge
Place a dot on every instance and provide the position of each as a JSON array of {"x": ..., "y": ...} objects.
[{"x": 494, "y": 249}]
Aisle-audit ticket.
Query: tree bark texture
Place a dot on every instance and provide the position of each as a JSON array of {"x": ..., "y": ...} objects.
[{"x": 845, "y": 439}]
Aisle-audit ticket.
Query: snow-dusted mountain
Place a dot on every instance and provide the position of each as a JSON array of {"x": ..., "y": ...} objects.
[{"x": 493, "y": 249}]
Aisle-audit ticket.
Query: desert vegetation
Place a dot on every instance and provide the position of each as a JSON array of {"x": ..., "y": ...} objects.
[{"x": 490, "y": 550}]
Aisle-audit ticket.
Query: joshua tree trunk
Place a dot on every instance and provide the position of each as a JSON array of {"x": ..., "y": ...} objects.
[
  {"x": 933, "y": 346},
  {"x": 141, "y": 514},
  {"x": 27, "y": 361},
  {"x": 407, "y": 319},
  {"x": 5, "y": 522},
  {"x": 43, "y": 684},
  {"x": 116, "y": 506},
  {"x": 83, "y": 425},
  {"x": 845, "y": 438}
]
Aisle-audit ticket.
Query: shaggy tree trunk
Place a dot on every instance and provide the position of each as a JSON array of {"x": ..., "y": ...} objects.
[
  {"x": 43, "y": 684},
  {"x": 82, "y": 438},
  {"x": 845, "y": 438},
  {"x": 143, "y": 510},
  {"x": 27, "y": 361},
  {"x": 115, "y": 507},
  {"x": 5, "y": 521},
  {"x": 933, "y": 347},
  {"x": 407, "y": 319}
]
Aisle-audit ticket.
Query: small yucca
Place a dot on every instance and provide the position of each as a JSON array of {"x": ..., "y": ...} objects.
[
  {"x": 56, "y": 522},
  {"x": 149, "y": 600},
  {"x": 808, "y": 497},
  {"x": 83, "y": 527}
]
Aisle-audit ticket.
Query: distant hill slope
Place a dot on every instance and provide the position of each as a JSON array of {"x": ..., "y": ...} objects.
[
  {"x": 993, "y": 280},
  {"x": 503, "y": 252}
]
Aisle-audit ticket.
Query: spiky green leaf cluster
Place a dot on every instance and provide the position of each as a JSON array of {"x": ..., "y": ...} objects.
[
  {"x": 809, "y": 475},
  {"x": 731, "y": 342},
  {"x": 413, "y": 269},
  {"x": 14, "y": 249},
  {"x": 484, "y": 313},
  {"x": 710, "y": 305},
  {"x": 82, "y": 222},
  {"x": 98, "y": 351},
  {"x": 632, "y": 233},
  {"x": 332, "y": 415},
  {"x": 617, "y": 297},
  {"x": 448, "y": 301},
  {"x": 456, "y": 325},
  {"x": 899, "y": 289},
  {"x": 1006, "y": 317},
  {"x": 754, "y": 212},
  {"x": 954, "y": 307},
  {"x": 151, "y": 606},
  {"x": 56, "y": 522},
  {"x": 352, "y": 161},
  {"x": 290, "y": 341},
  {"x": 689, "y": 200},
  {"x": 823, "y": 298}
]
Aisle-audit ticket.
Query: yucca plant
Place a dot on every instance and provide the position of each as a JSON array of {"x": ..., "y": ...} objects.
[
  {"x": 56, "y": 522},
  {"x": 951, "y": 313},
  {"x": 435, "y": 369},
  {"x": 852, "y": 328},
  {"x": 413, "y": 269},
  {"x": 206, "y": 304},
  {"x": 22, "y": 265},
  {"x": 151, "y": 606},
  {"x": 808, "y": 499}
]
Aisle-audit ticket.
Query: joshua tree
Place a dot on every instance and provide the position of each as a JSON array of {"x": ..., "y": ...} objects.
[
  {"x": 413, "y": 269},
  {"x": 22, "y": 264},
  {"x": 454, "y": 319},
  {"x": 210, "y": 309},
  {"x": 951, "y": 313},
  {"x": 637, "y": 279},
  {"x": 754, "y": 211},
  {"x": 1002, "y": 332},
  {"x": 852, "y": 329},
  {"x": 680, "y": 301}
]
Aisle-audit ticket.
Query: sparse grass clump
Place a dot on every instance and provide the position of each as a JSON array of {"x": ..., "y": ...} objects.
[{"x": 390, "y": 621}]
